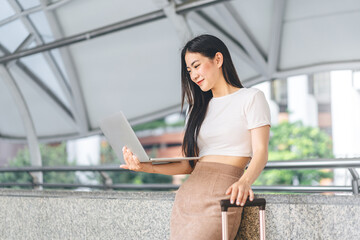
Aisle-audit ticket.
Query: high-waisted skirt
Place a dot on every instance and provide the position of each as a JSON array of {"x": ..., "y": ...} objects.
[{"x": 196, "y": 213}]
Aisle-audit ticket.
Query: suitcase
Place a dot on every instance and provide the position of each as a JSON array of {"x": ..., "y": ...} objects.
[{"x": 225, "y": 204}]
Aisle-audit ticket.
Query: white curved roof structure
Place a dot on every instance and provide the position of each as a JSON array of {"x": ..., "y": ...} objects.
[{"x": 64, "y": 65}]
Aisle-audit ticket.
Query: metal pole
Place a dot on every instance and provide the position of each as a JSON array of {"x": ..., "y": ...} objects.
[
  {"x": 225, "y": 233},
  {"x": 262, "y": 224},
  {"x": 179, "y": 22},
  {"x": 106, "y": 179},
  {"x": 355, "y": 181},
  {"x": 314, "y": 163},
  {"x": 34, "y": 151},
  {"x": 146, "y": 18}
]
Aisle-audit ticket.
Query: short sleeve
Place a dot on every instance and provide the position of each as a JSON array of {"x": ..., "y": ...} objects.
[{"x": 258, "y": 111}]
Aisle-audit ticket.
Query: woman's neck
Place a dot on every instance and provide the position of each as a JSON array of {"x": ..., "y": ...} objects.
[{"x": 223, "y": 89}]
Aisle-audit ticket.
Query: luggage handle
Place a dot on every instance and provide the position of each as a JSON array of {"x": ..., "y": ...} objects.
[{"x": 256, "y": 202}]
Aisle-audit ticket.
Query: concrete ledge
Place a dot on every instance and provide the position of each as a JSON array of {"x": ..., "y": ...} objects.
[{"x": 27, "y": 214}]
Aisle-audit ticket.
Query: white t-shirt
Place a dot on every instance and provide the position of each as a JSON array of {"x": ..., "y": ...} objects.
[{"x": 228, "y": 120}]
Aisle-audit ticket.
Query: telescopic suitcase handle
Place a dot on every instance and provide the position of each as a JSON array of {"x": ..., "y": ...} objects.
[{"x": 256, "y": 202}]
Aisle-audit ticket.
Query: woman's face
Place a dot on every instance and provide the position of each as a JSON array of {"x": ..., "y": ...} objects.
[{"x": 203, "y": 71}]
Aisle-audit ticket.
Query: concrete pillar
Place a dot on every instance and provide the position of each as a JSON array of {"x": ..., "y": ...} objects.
[
  {"x": 265, "y": 87},
  {"x": 302, "y": 106},
  {"x": 345, "y": 114}
]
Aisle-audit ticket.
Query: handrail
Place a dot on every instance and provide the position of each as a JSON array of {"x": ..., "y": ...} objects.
[
  {"x": 64, "y": 169},
  {"x": 350, "y": 163},
  {"x": 157, "y": 187},
  {"x": 315, "y": 163},
  {"x": 302, "y": 189},
  {"x": 288, "y": 164}
]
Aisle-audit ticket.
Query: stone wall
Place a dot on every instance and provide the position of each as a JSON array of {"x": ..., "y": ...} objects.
[{"x": 27, "y": 214}]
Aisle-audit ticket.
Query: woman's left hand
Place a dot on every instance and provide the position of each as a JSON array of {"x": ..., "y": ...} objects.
[{"x": 240, "y": 190}]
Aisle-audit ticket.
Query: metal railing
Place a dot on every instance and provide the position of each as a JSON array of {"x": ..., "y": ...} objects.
[{"x": 349, "y": 163}]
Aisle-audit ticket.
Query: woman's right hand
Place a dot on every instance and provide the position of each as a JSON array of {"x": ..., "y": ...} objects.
[{"x": 133, "y": 163}]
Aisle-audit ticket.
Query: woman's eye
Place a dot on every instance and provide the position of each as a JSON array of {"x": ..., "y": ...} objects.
[{"x": 194, "y": 67}]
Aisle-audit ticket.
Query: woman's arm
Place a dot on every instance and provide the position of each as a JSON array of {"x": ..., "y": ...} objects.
[
  {"x": 260, "y": 143},
  {"x": 182, "y": 167},
  {"x": 241, "y": 189},
  {"x": 133, "y": 163}
]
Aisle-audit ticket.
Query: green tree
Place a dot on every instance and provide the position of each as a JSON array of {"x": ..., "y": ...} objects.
[
  {"x": 51, "y": 156},
  {"x": 290, "y": 141}
]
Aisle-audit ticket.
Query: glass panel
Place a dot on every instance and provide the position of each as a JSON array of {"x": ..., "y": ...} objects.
[
  {"x": 26, "y": 4},
  {"x": 40, "y": 67},
  {"x": 32, "y": 45},
  {"x": 5, "y": 10},
  {"x": 41, "y": 24},
  {"x": 13, "y": 34},
  {"x": 56, "y": 54}
]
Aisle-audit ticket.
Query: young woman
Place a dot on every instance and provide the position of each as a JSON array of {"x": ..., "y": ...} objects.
[{"x": 227, "y": 126}]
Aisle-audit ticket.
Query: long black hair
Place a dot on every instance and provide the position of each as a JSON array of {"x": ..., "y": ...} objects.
[{"x": 198, "y": 101}]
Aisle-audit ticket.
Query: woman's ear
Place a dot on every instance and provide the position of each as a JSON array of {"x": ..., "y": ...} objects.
[{"x": 219, "y": 59}]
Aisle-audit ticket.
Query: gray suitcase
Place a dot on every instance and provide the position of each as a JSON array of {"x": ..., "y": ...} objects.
[{"x": 259, "y": 202}]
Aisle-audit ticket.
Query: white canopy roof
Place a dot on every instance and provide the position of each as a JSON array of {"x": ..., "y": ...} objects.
[{"x": 64, "y": 65}]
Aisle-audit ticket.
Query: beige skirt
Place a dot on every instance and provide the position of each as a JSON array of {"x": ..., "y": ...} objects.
[{"x": 196, "y": 213}]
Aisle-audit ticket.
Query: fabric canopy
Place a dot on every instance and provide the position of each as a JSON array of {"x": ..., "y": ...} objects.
[{"x": 64, "y": 65}]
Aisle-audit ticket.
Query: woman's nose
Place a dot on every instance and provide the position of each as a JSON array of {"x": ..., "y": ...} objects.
[{"x": 194, "y": 75}]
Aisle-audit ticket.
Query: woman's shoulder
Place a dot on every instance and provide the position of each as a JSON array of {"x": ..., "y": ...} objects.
[
  {"x": 251, "y": 96},
  {"x": 248, "y": 92},
  {"x": 251, "y": 90}
]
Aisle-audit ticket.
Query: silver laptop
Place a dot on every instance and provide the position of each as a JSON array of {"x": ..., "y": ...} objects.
[{"x": 119, "y": 133}]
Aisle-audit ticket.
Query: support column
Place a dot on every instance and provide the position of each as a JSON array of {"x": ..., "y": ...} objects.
[
  {"x": 345, "y": 114},
  {"x": 35, "y": 156},
  {"x": 302, "y": 106},
  {"x": 265, "y": 87},
  {"x": 179, "y": 22}
]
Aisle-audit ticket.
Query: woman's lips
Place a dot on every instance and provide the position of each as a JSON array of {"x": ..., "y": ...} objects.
[{"x": 200, "y": 82}]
